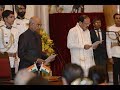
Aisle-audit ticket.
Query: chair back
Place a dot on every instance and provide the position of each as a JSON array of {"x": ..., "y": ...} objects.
[{"x": 5, "y": 70}]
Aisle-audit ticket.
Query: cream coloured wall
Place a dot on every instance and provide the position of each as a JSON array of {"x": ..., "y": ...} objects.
[
  {"x": 93, "y": 8},
  {"x": 29, "y": 10},
  {"x": 41, "y": 11}
]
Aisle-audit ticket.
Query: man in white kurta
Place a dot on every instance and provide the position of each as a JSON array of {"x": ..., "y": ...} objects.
[{"x": 77, "y": 41}]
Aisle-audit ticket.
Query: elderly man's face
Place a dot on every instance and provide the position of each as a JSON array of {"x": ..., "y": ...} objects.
[{"x": 37, "y": 25}]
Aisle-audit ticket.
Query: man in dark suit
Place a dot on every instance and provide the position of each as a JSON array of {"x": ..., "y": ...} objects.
[
  {"x": 30, "y": 45},
  {"x": 100, "y": 52}
]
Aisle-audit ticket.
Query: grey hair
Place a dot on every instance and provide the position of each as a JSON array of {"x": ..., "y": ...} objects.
[
  {"x": 32, "y": 19},
  {"x": 2, "y": 6}
]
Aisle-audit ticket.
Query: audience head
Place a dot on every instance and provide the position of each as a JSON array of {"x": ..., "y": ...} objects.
[
  {"x": 71, "y": 72},
  {"x": 23, "y": 76},
  {"x": 84, "y": 22},
  {"x": 97, "y": 74},
  {"x": 20, "y": 10},
  {"x": 34, "y": 23},
  {"x": 97, "y": 23},
  {"x": 2, "y": 7},
  {"x": 116, "y": 18},
  {"x": 8, "y": 17}
]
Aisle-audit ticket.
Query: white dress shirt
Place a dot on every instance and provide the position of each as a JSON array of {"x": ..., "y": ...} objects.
[
  {"x": 100, "y": 33},
  {"x": 112, "y": 51}
]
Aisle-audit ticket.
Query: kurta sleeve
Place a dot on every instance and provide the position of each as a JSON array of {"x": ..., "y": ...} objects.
[{"x": 73, "y": 40}]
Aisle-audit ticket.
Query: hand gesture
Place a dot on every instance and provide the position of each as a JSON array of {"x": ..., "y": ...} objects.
[{"x": 86, "y": 47}]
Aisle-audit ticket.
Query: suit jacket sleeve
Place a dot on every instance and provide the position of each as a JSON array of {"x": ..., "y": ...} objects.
[{"x": 22, "y": 50}]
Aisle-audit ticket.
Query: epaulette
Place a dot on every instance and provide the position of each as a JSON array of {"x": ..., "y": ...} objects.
[
  {"x": 14, "y": 27},
  {"x": 1, "y": 25},
  {"x": 26, "y": 18}
]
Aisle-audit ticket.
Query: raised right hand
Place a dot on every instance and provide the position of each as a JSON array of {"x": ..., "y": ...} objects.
[{"x": 86, "y": 47}]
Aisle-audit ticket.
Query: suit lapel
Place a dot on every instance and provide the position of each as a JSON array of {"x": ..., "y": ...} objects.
[{"x": 95, "y": 35}]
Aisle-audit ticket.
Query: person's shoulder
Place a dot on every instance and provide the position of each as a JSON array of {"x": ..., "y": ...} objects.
[
  {"x": 24, "y": 34},
  {"x": 26, "y": 20},
  {"x": 91, "y": 30},
  {"x": 14, "y": 27},
  {"x": 111, "y": 27},
  {"x": 2, "y": 27},
  {"x": 73, "y": 28}
]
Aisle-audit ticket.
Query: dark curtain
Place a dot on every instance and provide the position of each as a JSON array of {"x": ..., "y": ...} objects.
[{"x": 60, "y": 24}]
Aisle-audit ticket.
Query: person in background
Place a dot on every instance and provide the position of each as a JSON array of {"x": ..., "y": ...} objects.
[
  {"x": 80, "y": 45},
  {"x": 9, "y": 38},
  {"x": 30, "y": 45},
  {"x": 23, "y": 76},
  {"x": 98, "y": 75},
  {"x": 21, "y": 23},
  {"x": 2, "y": 7},
  {"x": 113, "y": 48},
  {"x": 73, "y": 74},
  {"x": 67, "y": 74},
  {"x": 100, "y": 52}
]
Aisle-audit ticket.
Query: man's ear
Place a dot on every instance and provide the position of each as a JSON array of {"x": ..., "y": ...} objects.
[
  {"x": 5, "y": 19},
  {"x": 80, "y": 22}
]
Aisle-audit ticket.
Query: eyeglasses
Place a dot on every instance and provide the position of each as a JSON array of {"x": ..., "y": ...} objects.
[{"x": 39, "y": 25}]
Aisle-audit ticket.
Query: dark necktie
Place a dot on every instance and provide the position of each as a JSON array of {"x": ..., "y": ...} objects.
[{"x": 98, "y": 34}]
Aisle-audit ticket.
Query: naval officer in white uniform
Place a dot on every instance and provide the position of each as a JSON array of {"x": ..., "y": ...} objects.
[{"x": 9, "y": 38}]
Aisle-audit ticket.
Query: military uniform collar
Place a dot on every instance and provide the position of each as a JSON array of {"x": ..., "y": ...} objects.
[
  {"x": 20, "y": 17},
  {"x": 7, "y": 27}
]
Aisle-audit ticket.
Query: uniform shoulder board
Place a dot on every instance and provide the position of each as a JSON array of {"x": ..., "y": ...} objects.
[
  {"x": 14, "y": 27},
  {"x": 26, "y": 18},
  {"x": 1, "y": 26}
]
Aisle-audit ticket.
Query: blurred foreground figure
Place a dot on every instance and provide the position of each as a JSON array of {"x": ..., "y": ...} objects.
[{"x": 23, "y": 76}]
